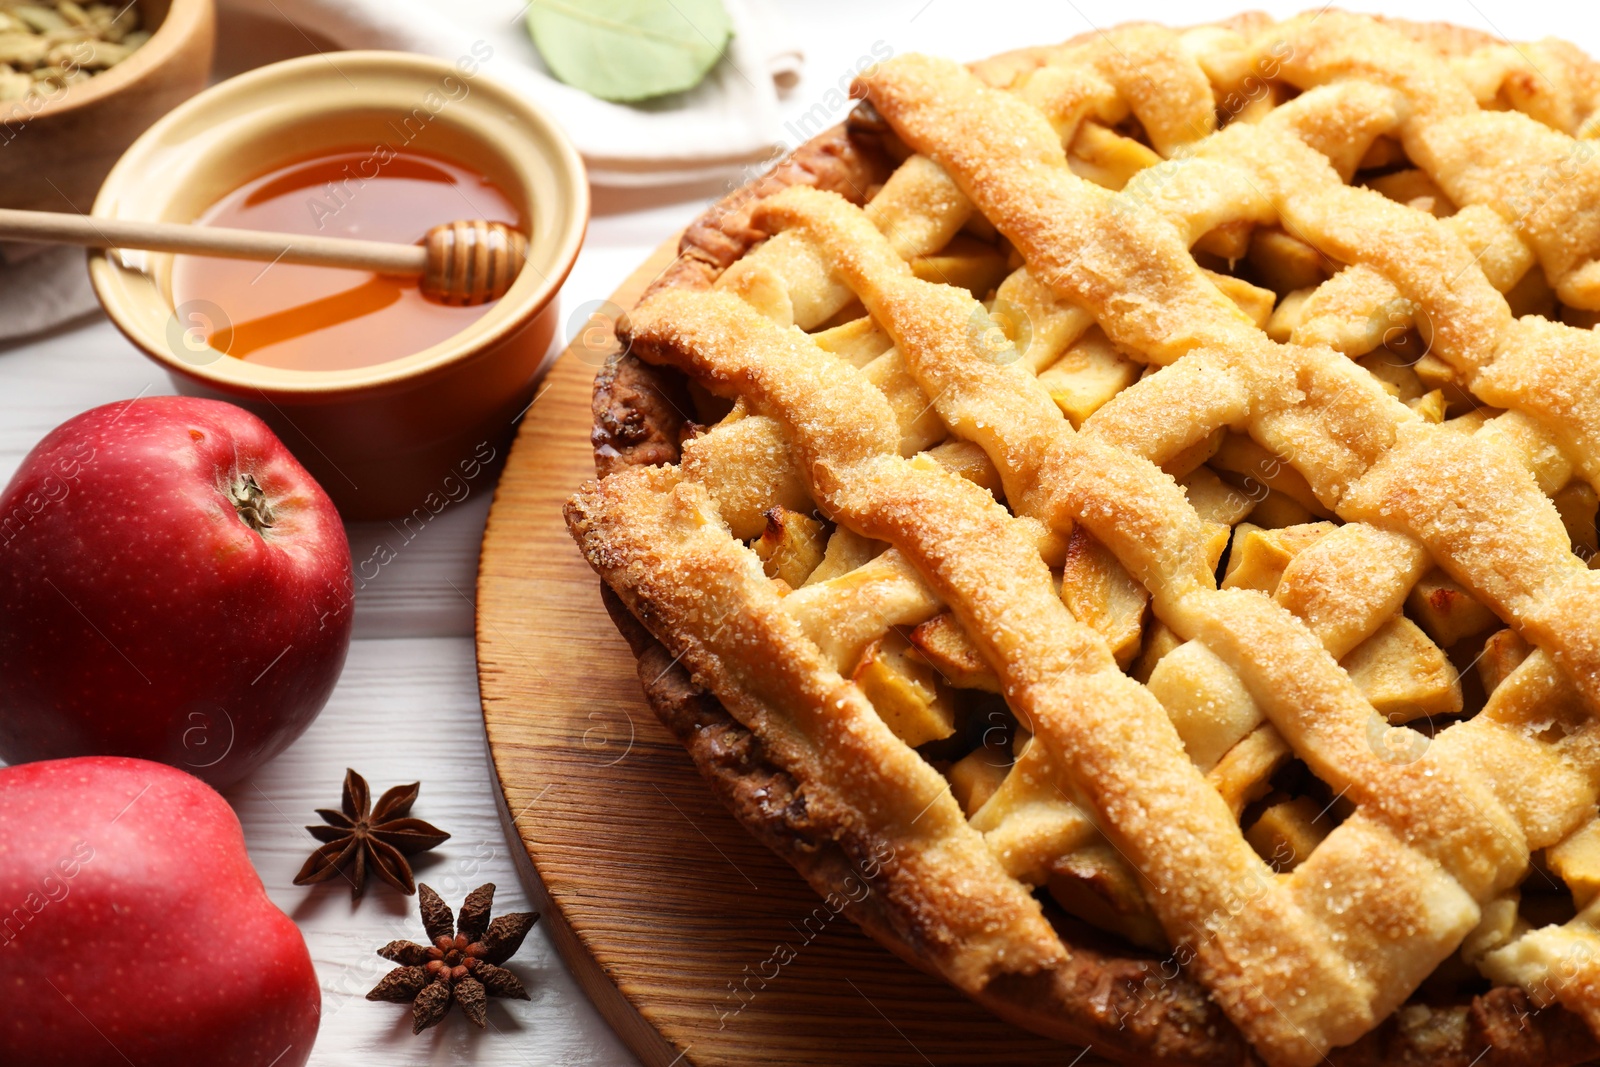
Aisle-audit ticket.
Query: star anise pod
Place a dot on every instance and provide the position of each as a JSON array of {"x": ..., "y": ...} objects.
[
  {"x": 363, "y": 837},
  {"x": 460, "y": 965}
]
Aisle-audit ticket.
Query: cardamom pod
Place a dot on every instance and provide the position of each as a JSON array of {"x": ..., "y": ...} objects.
[{"x": 48, "y": 44}]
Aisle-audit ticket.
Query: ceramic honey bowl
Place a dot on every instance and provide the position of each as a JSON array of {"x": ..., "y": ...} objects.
[{"x": 382, "y": 394}]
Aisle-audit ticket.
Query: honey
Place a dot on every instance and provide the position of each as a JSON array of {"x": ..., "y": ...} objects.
[{"x": 327, "y": 318}]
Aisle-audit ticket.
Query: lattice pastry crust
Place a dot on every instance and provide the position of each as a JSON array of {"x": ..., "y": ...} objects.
[{"x": 1145, "y": 487}]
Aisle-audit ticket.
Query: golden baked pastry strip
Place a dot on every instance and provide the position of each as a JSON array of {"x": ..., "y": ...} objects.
[
  {"x": 986, "y": 396},
  {"x": 1199, "y": 610},
  {"x": 1354, "y": 834},
  {"x": 741, "y": 343},
  {"x": 1207, "y": 187},
  {"x": 994, "y": 186},
  {"x": 655, "y": 535},
  {"x": 1330, "y": 418},
  {"x": 919, "y": 208},
  {"x": 1285, "y": 111},
  {"x": 1503, "y": 159},
  {"x": 1002, "y": 408},
  {"x": 1064, "y": 823},
  {"x": 962, "y": 312},
  {"x": 1027, "y": 826},
  {"x": 1556, "y": 963},
  {"x": 1058, "y": 675},
  {"x": 1299, "y": 112}
]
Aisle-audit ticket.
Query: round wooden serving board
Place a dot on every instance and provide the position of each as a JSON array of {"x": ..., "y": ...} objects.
[{"x": 697, "y": 944}]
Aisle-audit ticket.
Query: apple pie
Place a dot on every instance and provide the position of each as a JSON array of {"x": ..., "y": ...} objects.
[{"x": 1132, "y": 501}]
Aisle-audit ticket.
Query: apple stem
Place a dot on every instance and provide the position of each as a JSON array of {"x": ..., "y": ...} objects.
[{"x": 251, "y": 503}]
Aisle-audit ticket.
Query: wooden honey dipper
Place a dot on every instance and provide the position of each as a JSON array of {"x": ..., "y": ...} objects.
[{"x": 459, "y": 263}]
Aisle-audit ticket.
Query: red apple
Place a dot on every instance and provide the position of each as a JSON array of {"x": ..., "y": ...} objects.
[
  {"x": 173, "y": 586},
  {"x": 135, "y": 931}
]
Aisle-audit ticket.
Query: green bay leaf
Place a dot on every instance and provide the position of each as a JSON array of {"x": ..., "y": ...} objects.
[{"x": 627, "y": 50}]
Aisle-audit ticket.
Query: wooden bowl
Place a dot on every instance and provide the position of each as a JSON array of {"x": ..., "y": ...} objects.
[
  {"x": 55, "y": 150},
  {"x": 391, "y": 439}
]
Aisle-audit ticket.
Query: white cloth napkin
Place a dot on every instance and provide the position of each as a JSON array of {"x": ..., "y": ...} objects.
[
  {"x": 42, "y": 287},
  {"x": 730, "y": 120}
]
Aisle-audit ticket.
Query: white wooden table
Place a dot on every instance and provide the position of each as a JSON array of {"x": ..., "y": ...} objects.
[{"x": 407, "y": 706}]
